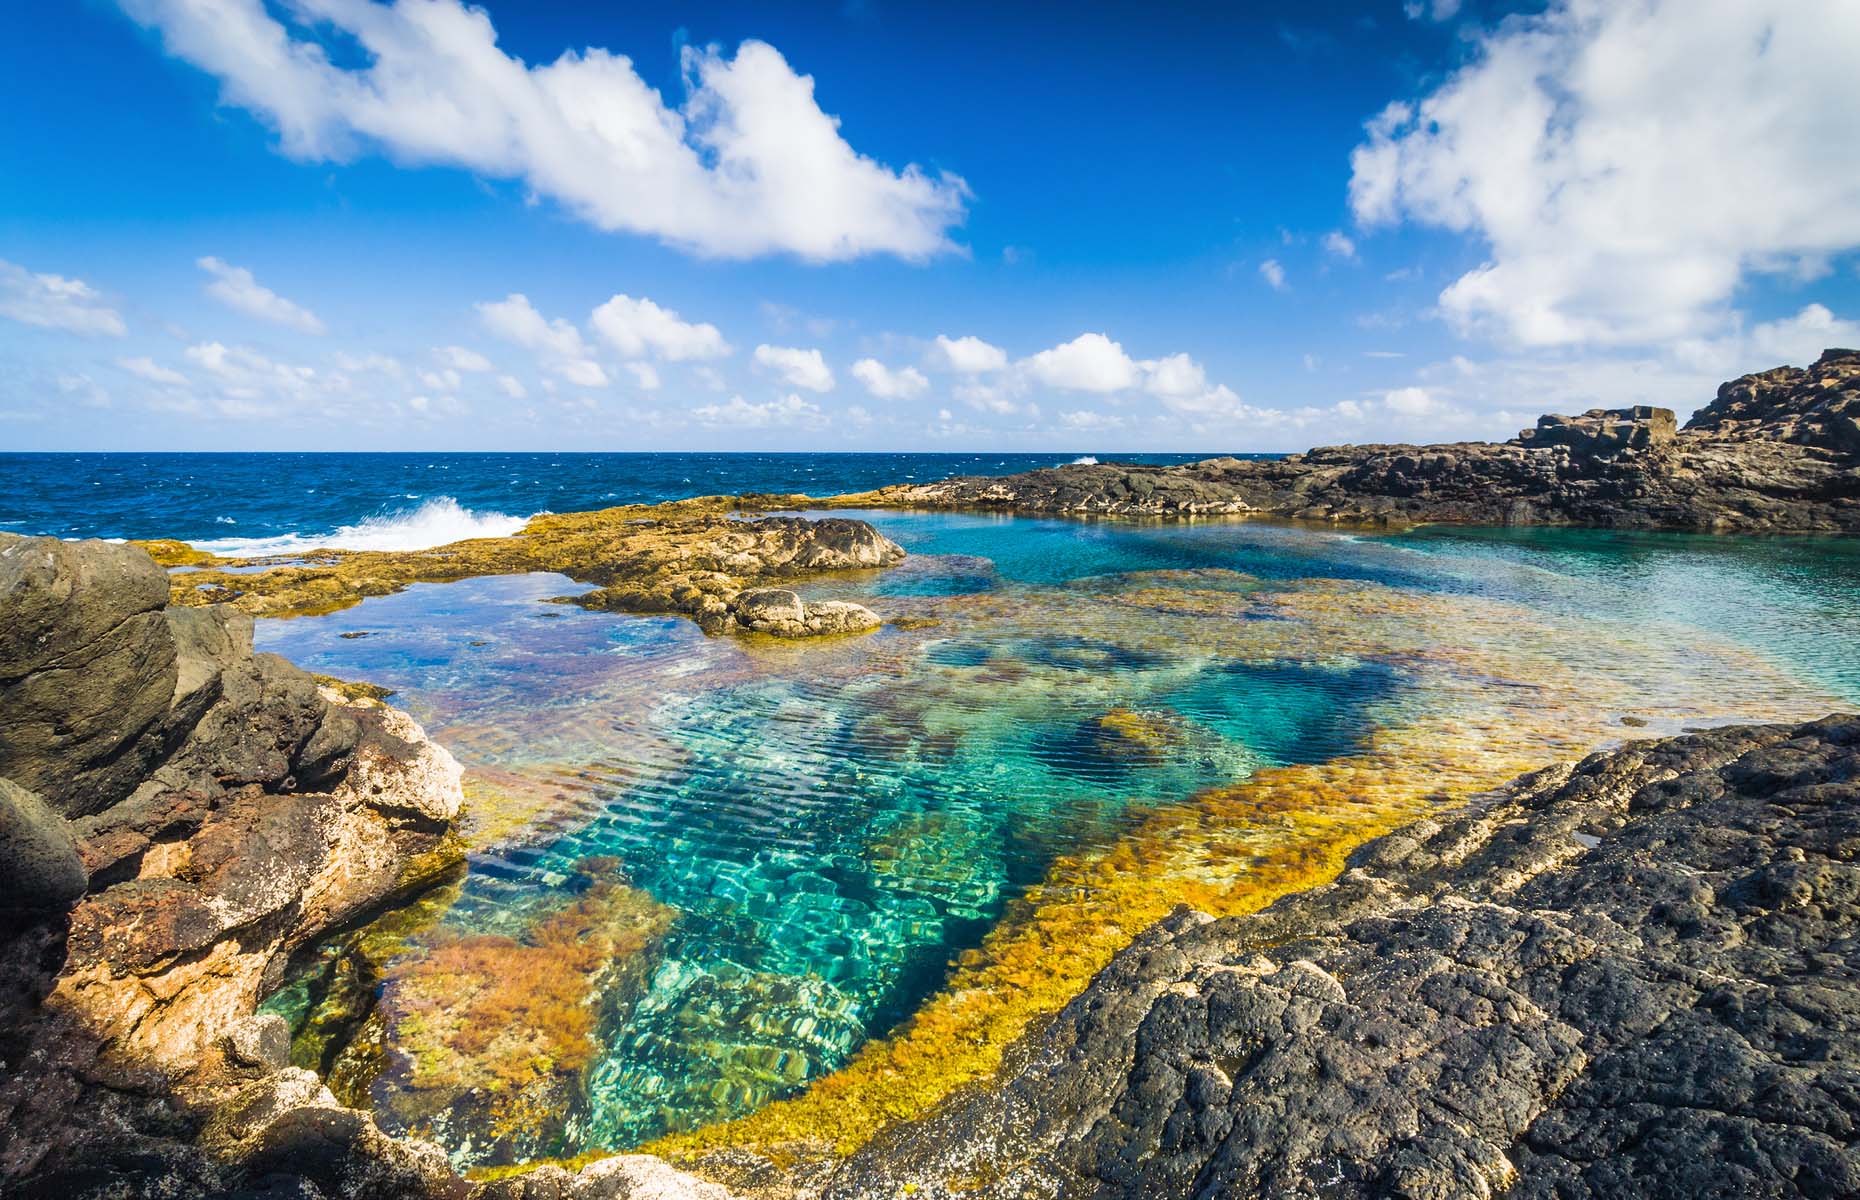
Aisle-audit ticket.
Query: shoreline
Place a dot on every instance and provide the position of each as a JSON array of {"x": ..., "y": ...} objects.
[{"x": 909, "y": 1113}]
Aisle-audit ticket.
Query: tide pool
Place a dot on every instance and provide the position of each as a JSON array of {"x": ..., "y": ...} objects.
[{"x": 706, "y": 873}]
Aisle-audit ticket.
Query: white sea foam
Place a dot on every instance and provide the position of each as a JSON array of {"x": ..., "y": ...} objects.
[
  {"x": 1084, "y": 460},
  {"x": 434, "y": 523}
]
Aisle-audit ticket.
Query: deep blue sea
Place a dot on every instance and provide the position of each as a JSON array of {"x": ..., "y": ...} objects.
[{"x": 259, "y": 503}]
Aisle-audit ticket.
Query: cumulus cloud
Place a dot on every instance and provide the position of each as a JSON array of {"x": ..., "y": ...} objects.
[
  {"x": 460, "y": 358},
  {"x": 886, "y": 384},
  {"x": 645, "y": 374},
  {"x": 55, "y": 302},
  {"x": 557, "y": 342},
  {"x": 236, "y": 288},
  {"x": 740, "y": 414},
  {"x": 748, "y": 164},
  {"x": 1339, "y": 244},
  {"x": 1623, "y": 191},
  {"x": 639, "y": 329},
  {"x": 1410, "y": 402},
  {"x": 512, "y": 387},
  {"x": 796, "y": 367},
  {"x": 1090, "y": 362},
  {"x": 148, "y": 369},
  {"x": 967, "y": 355},
  {"x": 1800, "y": 339},
  {"x": 1094, "y": 363},
  {"x": 1273, "y": 273}
]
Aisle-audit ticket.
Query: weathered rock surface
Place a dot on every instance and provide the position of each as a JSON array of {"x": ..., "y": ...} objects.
[
  {"x": 1638, "y": 976},
  {"x": 195, "y": 813},
  {"x": 783, "y": 613},
  {"x": 689, "y": 556},
  {"x": 1777, "y": 451}
]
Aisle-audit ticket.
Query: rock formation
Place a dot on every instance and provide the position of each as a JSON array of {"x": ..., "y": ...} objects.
[
  {"x": 1635, "y": 976},
  {"x": 1777, "y": 451},
  {"x": 688, "y": 556},
  {"x": 177, "y": 814}
]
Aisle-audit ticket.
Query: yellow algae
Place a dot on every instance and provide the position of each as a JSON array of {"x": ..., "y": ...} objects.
[
  {"x": 1499, "y": 690},
  {"x": 168, "y": 552},
  {"x": 681, "y": 556}
]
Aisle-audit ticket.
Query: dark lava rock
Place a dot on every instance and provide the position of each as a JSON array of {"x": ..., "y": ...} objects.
[
  {"x": 1777, "y": 451},
  {"x": 1635, "y": 977}
]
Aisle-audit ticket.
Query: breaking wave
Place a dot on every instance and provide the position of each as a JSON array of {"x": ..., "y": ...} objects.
[{"x": 434, "y": 523}]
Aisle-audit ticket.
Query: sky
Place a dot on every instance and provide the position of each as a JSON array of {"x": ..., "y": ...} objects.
[{"x": 870, "y": 225}]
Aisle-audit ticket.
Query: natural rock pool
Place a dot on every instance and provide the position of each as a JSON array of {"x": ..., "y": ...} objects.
[{"x": 705, "y": 873}]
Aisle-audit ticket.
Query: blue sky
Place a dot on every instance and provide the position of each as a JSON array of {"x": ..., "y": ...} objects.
[{"x": 341, "y": 224}]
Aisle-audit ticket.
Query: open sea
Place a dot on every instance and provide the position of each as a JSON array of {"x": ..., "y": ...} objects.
[{"x": 704, "y": 874}]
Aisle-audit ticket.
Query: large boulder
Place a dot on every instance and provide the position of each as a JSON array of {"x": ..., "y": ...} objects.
[
  {"x": 87, "y": 669},
  {"x": 39, "y": 864}
]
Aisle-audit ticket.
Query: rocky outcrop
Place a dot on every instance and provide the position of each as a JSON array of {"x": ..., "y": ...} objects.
[
  {"x": 690, "y": 556},
  {"x": 1635, "y": 976},
  {"x": 177, "y": 815},
  {"x": 1777, "y": 451},
  {"x": 782, "y": 613}
]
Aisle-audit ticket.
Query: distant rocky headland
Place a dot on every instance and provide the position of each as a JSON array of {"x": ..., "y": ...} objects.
[
  {"x": 1633, "y": 975},
  {"x": 1777, "y": 451}
]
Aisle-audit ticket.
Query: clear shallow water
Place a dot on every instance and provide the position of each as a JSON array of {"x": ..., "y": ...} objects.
[{"x": 810, "y": 835}]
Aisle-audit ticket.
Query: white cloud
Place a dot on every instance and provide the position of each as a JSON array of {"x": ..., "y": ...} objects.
[
  {"x": 638, "y": 328},
  {"x": 383, "y": 363},
  {"x": 1181, "y": 384},
  {"x": 1438, "y": 10},
  {"x": 967, "y": 355},
  {"x": 583, "y": 371},
  {"x": 1799, "y": 340},
  {"x": 1090, "y": 362},
  {"x": 796, "y": 367},
  {"x": 1273, "y": 273},
  {"x": 147, "y": 368},
  {"x": 1411, "y": 402},
  {"x": 886, "y": 384},
  {"x": 513, "y": 387},
  {"x": 739, "y": 413},
  {"x": 55, "y": 302},
  {"x": 1625, "y": 193},
  {"x": 235, "y": 288},
  {"x": 558, "y": 342},
  {"x": 1339, "y": 245},
  {"x": 1086, "y": 421},
  {"x": 747, "y": 165},
  {"x": 460, "y": 358},
  {"x": 645, "y": 374}
]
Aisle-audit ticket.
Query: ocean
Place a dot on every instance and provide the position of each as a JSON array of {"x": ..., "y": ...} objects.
[{"x": 280, "y": 503}]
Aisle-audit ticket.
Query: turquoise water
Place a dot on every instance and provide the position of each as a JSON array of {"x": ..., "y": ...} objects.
[{"x": 829, "y": 826}]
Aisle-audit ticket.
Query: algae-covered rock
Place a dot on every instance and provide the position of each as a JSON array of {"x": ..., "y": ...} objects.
[
  {"x": 488, "y": 1036},
  {"x": 1628, "y": 977}
]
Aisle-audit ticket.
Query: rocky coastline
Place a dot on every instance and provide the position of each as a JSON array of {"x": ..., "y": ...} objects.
[
  {"x": 1633, "y": 975},
  {"x": 1775, "y": 452}
]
